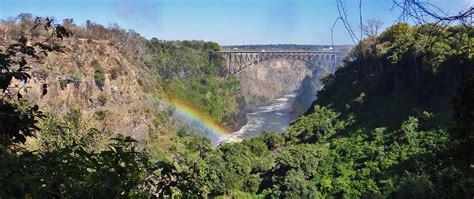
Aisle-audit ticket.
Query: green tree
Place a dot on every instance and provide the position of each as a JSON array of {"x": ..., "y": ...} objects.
[
  {"x": 18, "y": 119},
  {"x": 310, "y": 128},
  {"x": 120, "y": 171}
]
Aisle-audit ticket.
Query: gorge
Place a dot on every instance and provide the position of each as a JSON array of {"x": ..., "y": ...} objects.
[
  {"x": 88, "y": 111},
  {"x": 281, "y": 87}
]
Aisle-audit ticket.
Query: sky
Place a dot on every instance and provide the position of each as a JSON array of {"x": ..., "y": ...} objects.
[{"x": 228, "y": 22}]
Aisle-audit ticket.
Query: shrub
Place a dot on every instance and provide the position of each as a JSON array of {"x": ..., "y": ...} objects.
[
  {"x": 99, "y": 74},
  {"x": 78, "y": 62},
  {"x": 102, "y": 98},
  {"x": 114, "y": 72},
  {"x": 99, "y": 77},
  {"x": 63, "y": 83},
  {"x": 119, "y": 171},
  {"x": 74, "y": 116},
  {"x": 77, "y": 76},
  {"x": 101, "y": 114},
  {"x": 182, "y": 132}
]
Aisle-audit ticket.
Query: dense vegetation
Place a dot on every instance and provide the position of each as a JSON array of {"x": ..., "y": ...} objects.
[
  {"x": 374, "y": 141},
  {"x": 194, "y": 72},
  {"x": 389, "y": 127},
  {"x": 403, "y": 72}
]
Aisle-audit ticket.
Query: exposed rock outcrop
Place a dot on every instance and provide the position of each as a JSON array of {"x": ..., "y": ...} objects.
[
  {"x": 69, "y": 80},
  {"x": 270, "y": 79},
  {"x": 235, "y": 121},
  {"x": 307, "y": 92}
]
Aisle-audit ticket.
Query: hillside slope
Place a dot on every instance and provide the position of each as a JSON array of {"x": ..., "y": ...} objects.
[
  {"x": 392, "y": 77},
  {"x": 94, "y": 76},
  {"x": 116, "y": 78}
]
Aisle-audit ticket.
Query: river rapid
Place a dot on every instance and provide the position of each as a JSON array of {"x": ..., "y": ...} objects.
[{"x": 275, "y": 117}]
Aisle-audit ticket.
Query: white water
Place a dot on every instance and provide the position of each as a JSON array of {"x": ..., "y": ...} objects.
[{"x": 276, "y": 117}]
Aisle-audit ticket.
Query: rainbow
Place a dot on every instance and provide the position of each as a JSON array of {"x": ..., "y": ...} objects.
[{"x": 194, "y": 117}]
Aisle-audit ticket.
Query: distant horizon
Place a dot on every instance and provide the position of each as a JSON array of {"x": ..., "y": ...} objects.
[
  {"x": 56, "y": 20},
  {"x": 227, "y": 22}
]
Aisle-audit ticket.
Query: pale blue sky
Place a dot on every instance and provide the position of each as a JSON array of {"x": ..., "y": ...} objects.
[{"x": 223, "y": 21}]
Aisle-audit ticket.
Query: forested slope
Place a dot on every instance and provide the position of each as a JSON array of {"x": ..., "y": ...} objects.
[
  {"x": 194, "y": 72},
  {"x": 406, "y": 71},
  {"x": 393, "y": 123}
]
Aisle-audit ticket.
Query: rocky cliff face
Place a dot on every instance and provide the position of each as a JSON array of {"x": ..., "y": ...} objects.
[
  {"x": 268, "y": 80},
  {"x": 237, "y": 119},
  {"x": 310, "y": 86},
  {"x": 111, "y": 88},
  {"x": 97, "y": 79}
]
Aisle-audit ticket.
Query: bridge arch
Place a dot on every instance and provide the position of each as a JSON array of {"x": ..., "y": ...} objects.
[{"x": 237, "y": 61}]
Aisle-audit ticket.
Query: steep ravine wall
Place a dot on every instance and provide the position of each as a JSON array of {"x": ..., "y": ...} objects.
[
  {"x": 271, "y": 79},
  {"x": 308, "y": 90},
  {"x": 233, "y": 122},
  {"x": 68, "y": 81}
]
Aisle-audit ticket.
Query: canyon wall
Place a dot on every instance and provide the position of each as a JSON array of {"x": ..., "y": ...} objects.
[
  {"x": 97, "y": 79},
  {"x": 271, "y": 79},
  {"x": 308, "y": 90}
]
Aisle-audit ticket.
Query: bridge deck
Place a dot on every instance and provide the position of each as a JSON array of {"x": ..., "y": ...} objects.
[
  {"x": 239, "y": 60},
  {"x": 255, "y": 51}
]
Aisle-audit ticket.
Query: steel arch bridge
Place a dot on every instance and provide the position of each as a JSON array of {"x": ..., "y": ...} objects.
[{"x": 237, "y": 61}]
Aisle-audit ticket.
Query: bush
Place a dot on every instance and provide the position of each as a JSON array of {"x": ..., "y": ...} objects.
[
  {"x": 59, "y": 132},
  {"x": 63, "y": 83},
  {"x": 74, "y": 116},
  {"x": 78, "y": 62},
  {"x": 114, "y": 72},
  {"x": 102, "y": 98},
  {"x": 101, "y": 114},
  {"x": 99, "y": 77},
  {"x": 119, "y": 171}
]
